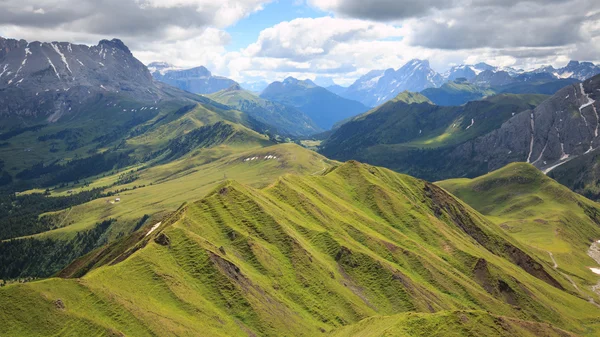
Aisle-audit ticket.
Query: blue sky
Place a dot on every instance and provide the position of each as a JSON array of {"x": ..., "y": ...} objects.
[{"x": 246, "y": 31}]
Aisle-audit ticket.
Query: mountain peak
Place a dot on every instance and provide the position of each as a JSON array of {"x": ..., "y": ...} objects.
[
  {"x": 409, "y": 97},
  {"x": 417, "y": 62},
  {"x": 234, "y": 87},
  {"x": 116, "y": 43}
]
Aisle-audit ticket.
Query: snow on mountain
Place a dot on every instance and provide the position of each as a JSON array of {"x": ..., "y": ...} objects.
[{"x": 379, "y": 86}]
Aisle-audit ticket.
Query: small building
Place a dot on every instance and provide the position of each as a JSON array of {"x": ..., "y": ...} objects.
[{"x": 117, "y": 199}]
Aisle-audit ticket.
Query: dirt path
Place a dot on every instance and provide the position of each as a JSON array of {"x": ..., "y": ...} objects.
[
  {"x": 565, "y": 275},
  {"x": 323, "y": 170}
]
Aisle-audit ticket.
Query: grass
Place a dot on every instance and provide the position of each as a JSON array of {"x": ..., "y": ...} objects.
[
  {"x": 167, "y": 186},
  {"x": 351, "y": 250},
  {"x": 540, "y": 213}
]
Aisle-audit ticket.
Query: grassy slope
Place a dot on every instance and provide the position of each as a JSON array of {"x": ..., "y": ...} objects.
[
  {"x": 304, "y": 256},
  {"x": 398, "y": 124},
  {"x": 456, "y": 93},
  {"x": 540, "y": 213},
  {"x": 413, "y": 138},
  {"x": 449, "y": 324},
  {"x": 167, "y": 186}
]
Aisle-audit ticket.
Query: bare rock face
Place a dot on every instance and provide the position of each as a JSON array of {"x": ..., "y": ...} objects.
[
  {"x": 563, "y": 127},
  {"x": 51, "y": 80}
]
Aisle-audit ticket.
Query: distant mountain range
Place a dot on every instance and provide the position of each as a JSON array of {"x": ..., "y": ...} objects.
[
  {"x": 320, "y": 104},
  {"x": 435, "y": 142},
  {"x": 322, "y": 107},
  {"x": 286, "y": 119},
  {"x": 198, "y": 80},
  {"x": 379, "y": 86}
]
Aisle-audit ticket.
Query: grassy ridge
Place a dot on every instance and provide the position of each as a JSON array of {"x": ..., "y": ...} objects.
[
  {"x": 540, "y": 213},
  {"x": 307, "y": 255}
]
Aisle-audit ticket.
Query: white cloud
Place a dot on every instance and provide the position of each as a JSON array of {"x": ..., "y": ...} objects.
[{"x": 358, "y": 36}]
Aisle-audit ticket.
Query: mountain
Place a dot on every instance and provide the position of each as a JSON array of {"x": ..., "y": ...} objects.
[
  {"x": 456, "y": 92},
  {"x": 574, "y": 69},
  {"x": 460, "y": 91},
  {"x": 76, "y": 108},
  {"x": 379, "y": 86},
  {"x": 466, "y": 71},
  {"x": 50, "y": 81},
  {"x": 561, "y": 129},
  {"x": 558, "y": 225},
  {"x": 350, "y": 247},
  {"x": 419, "y": 138},
  {"x": 197, "y": 80},
  {"x": 490, "y": 78},
  {"x": 337, "y": 89},
  {"x": 319, "y": 104},
  {"x": 287, "y": 120}
]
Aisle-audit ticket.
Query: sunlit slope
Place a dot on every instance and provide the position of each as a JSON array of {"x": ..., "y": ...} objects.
[
  {"x": 163, "y": 188},
  {"x": 539, "y": 212},
  {"x": 305, "y": 255},
  {"x": 449, "y": 324}
]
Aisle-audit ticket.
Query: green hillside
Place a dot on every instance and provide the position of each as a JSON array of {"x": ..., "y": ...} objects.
[
  {"x": 146, "y": 194},
  {"x": 304, "y": 256},
  {"x": 460, "y": 91},
  {"x": 558, "y": 225},
  {"x": 456, "y": 93},
  {"x": 286, "y": 119},
  {"x": 417, "y": 138}
]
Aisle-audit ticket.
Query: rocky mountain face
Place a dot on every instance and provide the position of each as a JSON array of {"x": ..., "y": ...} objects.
[
  {"x": 560, "y": 129},
  {"x": 197, "y": 80},
  {"x": 466, "y": 71},
  {"x": 480, "y": 136},
  {"x": 574, "y": 69},
  {"x": 319, "y": 104},
  {"x": 50, "y": 80},
  {"x": 379, "y": 86}
]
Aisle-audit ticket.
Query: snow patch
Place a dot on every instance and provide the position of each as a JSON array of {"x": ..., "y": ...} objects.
[
  {"x": 470, "y": 125},
  {"x": 153, "y": 228},
  {"x": 53, "y": 67},
  {"x": 62, "y": 56},
  {"x": 532, "y": 139},
  {"x": 4, "y": 70}
]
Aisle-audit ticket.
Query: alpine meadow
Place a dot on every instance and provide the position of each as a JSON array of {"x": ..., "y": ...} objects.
[{"x": 300, "y": 168}]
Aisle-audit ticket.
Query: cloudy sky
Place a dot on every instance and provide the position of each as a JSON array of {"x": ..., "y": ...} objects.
[{"x": 334, "y": 39}]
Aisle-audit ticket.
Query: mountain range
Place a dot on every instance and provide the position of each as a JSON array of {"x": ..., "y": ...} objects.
[
  {"x": 322, "y": 106},
  {"x": 379, "y": 86},
  {"x": 131, "y": 207},
  {"x": 286, "y": 119},
  {"x": 437, "y": 143}
]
